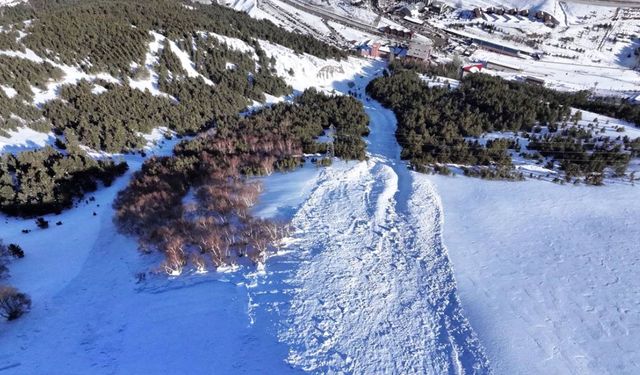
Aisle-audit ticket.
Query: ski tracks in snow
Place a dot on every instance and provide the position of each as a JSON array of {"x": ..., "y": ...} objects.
[{"x": 373, "y": 291}]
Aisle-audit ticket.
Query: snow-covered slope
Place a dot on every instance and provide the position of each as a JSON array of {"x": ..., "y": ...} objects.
[
  {"x": 371, "y": 290},
  {"x": 548, "y": 274},
  {"x": 364, "y": 286}
]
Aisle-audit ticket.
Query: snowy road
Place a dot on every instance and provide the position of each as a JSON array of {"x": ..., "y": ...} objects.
[{"x": 373, "y": 291}]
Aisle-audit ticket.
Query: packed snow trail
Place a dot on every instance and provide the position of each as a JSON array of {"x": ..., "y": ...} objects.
[{"x": 373, "y": 291}]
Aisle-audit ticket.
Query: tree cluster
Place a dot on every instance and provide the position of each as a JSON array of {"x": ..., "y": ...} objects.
[
  {"x": 579, "y": 158},
  {"x": 608, "y": 106},
  {"x": 437, "y": 125},
  {"x": 110, "y": 121},
  {"x": 46, "y": 180},
  {"x": 20, "y": 74},
  {"x": 14, "y": 113},
  {"x": 214, "y": 227},
  {"x": 13, "y": 304},
  {"x": 433, "y": 123},
  {"x": 107, "y": 35},
  {"x": 9, "y": 41}
]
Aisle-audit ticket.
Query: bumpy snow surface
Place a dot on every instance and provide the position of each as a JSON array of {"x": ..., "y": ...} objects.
[{"x": 374, "y": 292}]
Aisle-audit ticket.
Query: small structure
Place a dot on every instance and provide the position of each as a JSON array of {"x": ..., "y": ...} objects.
[
  {"x": 547, "y": 18},
  {"x": 411, "y": 10},
  {"x": 473, "y": 68},
  {"x": 500, "y": 67},
  {"x": 523, "y": 12},
  {"x": 369, "y": 49},
  {"x": 496, "y": 47},
  {"x": 439, "y": 7},
  {"x": 534, "y": 80},
  {"x": 399, "y": 51},
  {"x": 420, "y": 50},
  {"x": 477, "y": 13},
  {"x": 402, "y": 33},
  {"x": 470, "y": 69},
  {"x": 414, "y": 20},
  {"x": 384, "y": 52}
]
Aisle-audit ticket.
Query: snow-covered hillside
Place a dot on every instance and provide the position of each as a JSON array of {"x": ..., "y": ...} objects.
[
  {"x": 381, "y": 275},
  {"x": 548, "y": 274}
]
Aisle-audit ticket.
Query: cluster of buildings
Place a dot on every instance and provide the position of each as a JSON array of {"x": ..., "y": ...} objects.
[
  {"x": 419, "y": 50},
  {"x": 397, "y": 32},
  {"x": 547, "y": 18},
  {"x": 500, "y": 67},
  {"x": 417, "y": 9}
]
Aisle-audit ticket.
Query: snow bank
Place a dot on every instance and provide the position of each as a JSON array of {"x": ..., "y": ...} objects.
[
  {"x": 90, "y": 315},
  {"x": 151, "y": 59}
]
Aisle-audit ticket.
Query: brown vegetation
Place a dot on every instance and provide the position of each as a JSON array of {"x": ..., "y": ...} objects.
[
  {"x": 13, "y": 304},
  {"x": 212, "y": 227}
]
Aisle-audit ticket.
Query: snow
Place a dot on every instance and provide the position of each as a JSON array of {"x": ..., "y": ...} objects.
[
  {"x": 284, "y": 192},
  {"x": 9, "y": 91},
  {"x": 28, "y": 54},
  {"x": 90, "y": 315},
  {"x": 233, "y": 43},
  {"x": 414, "y": 20},
  {"x": 547, "y": 273},
  {"x": 10, "y": 2},
  {"x": 569, "y": 11},
  {"x": 151, "y": 59},
  {"x": 311, "y": 24},
  {"x": 380, "y": 275},
  {"x": 310, "y": 71},
  {"x": 374, "y": 291},
  {"x": 567, "y": 76},
  {"x": 72, "y": 75},
  {"x": 97, "y": 90},
  {"x": 83, "y": 282},
  {"x": 438, "y": 81},
  {"x": 186, "y": 63},
  {"x": 349, "y": 33},
  {"x": 24, "y": 139}
]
